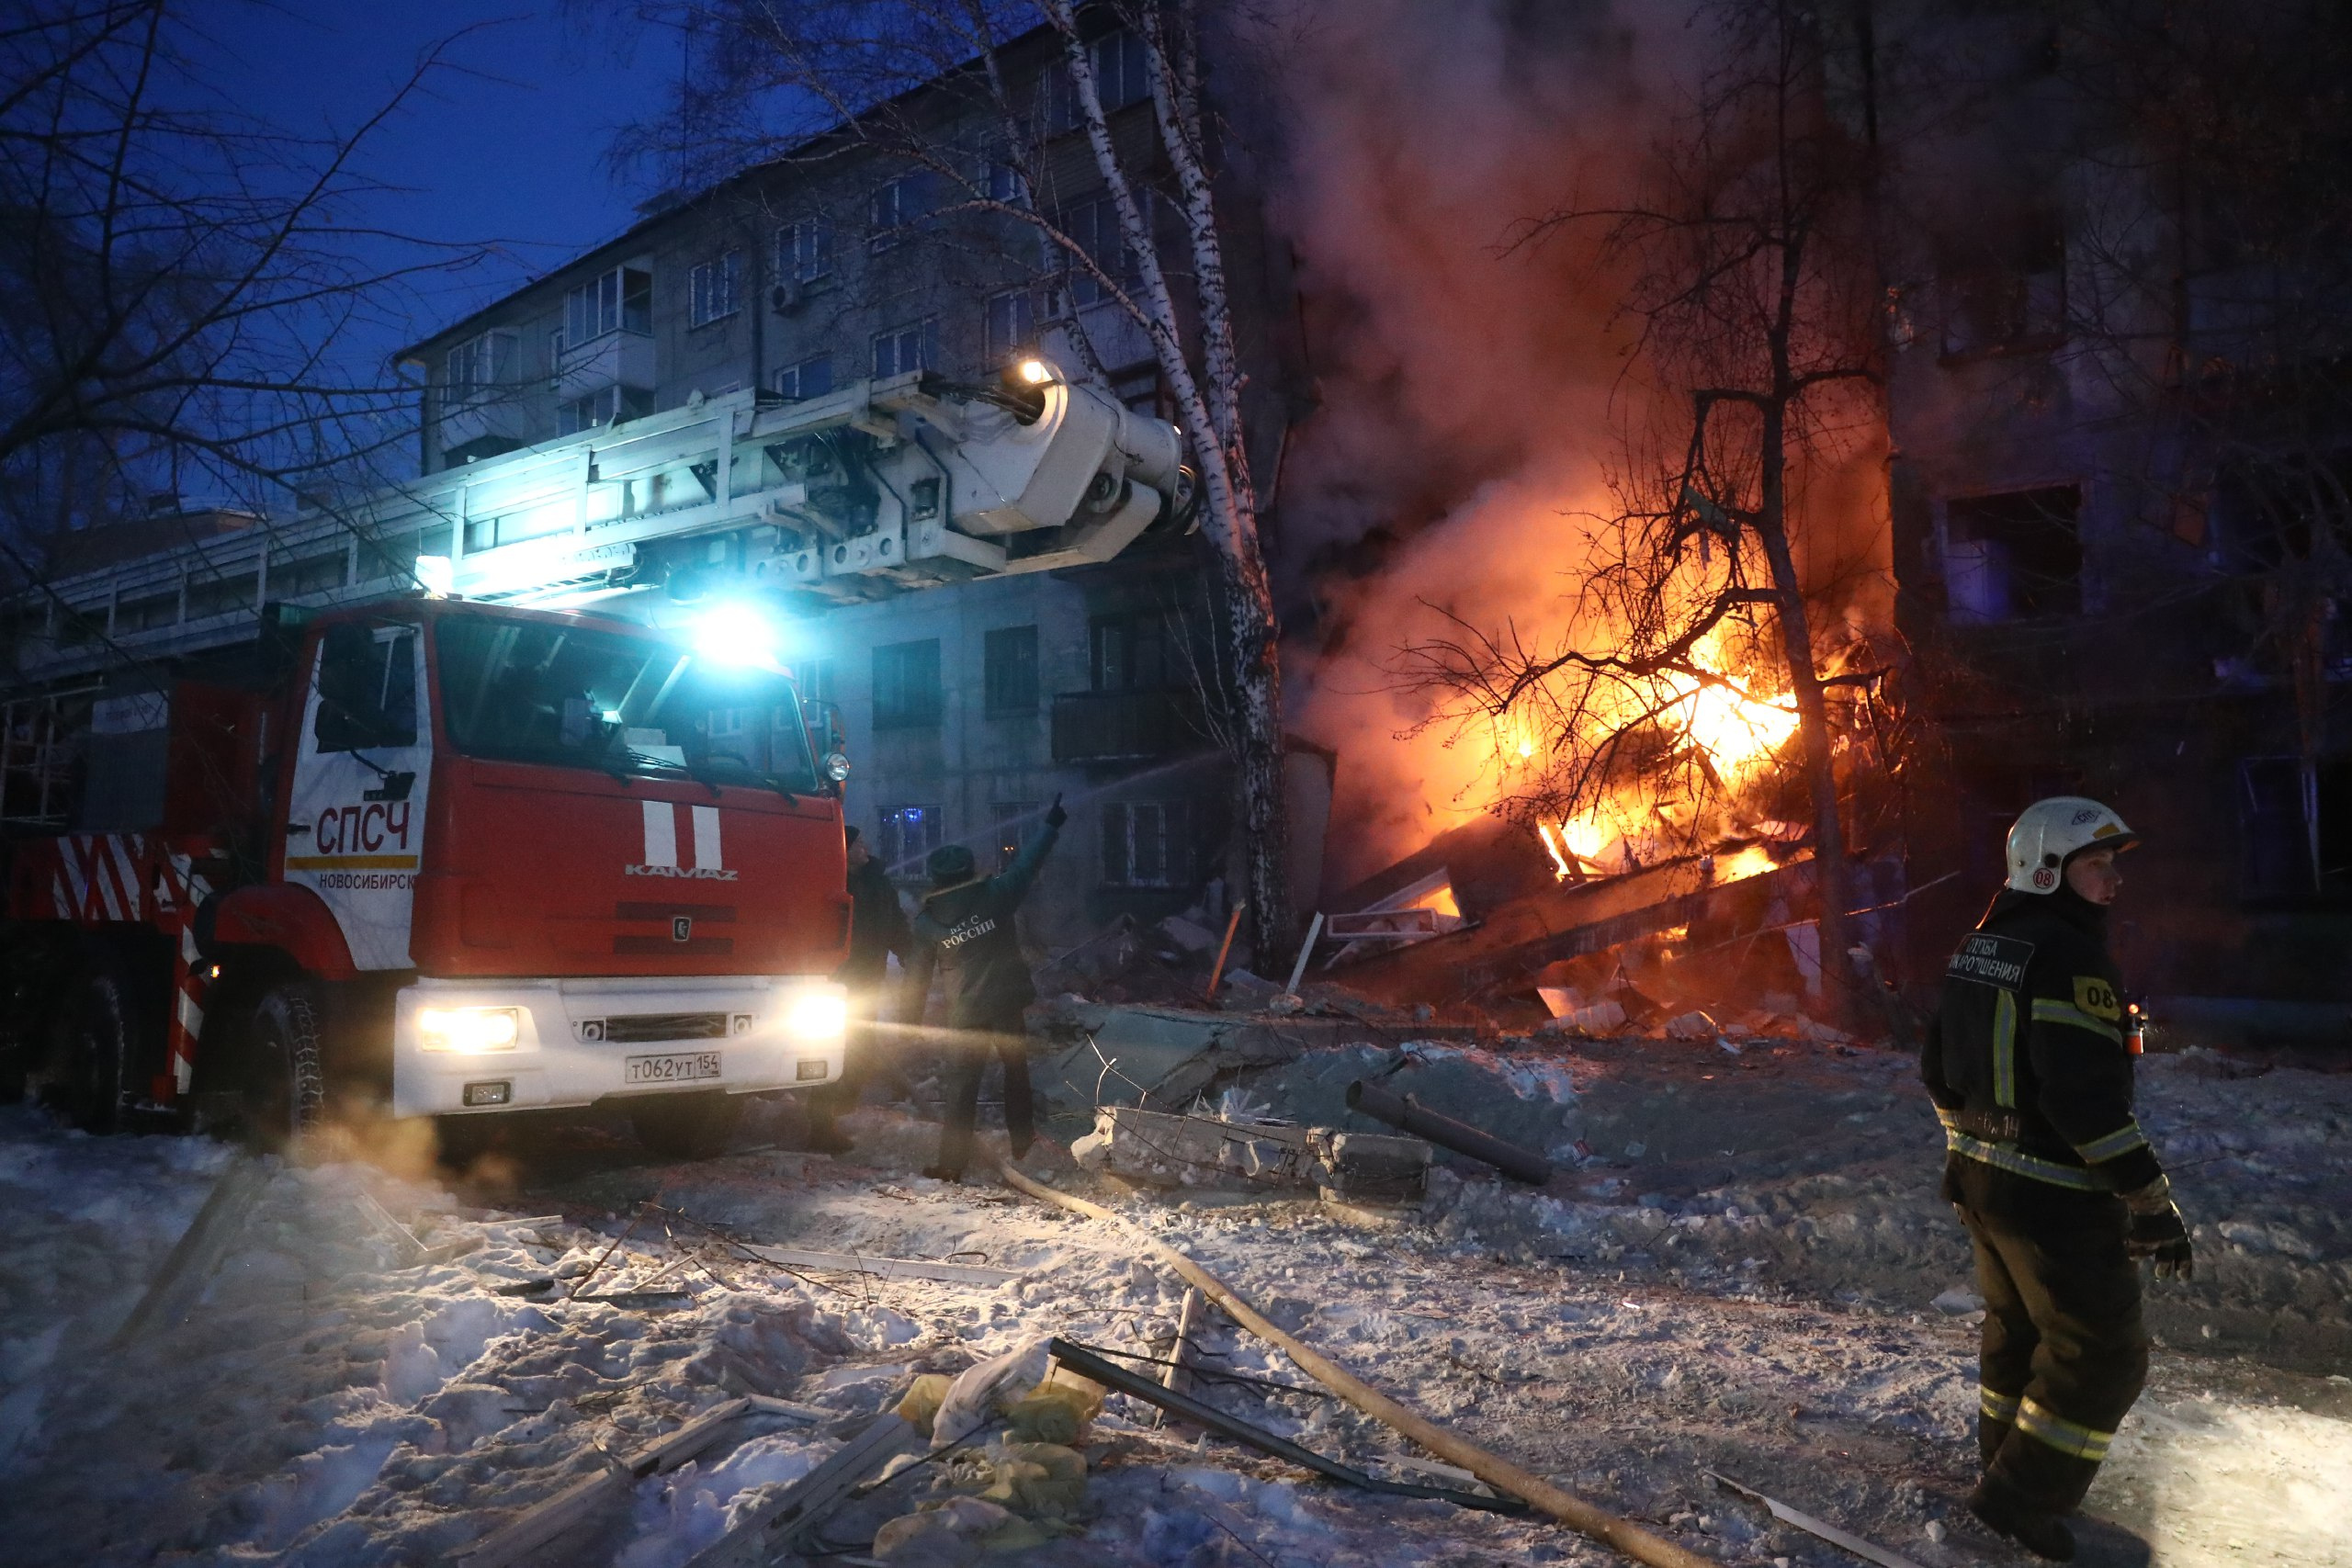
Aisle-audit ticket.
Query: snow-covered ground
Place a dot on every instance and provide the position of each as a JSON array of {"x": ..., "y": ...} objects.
[{"x": 1749, "y": 1290}]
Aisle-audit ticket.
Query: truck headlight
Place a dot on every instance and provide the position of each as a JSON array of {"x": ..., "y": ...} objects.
[
  {"x": 818, "y": 1016},
  {"x": 468, "y": 1030}
]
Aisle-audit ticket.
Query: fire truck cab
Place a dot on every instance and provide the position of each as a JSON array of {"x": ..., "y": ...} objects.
[
  {"x": 490, "y": 859},
  {"x": 324, "y": 833}
]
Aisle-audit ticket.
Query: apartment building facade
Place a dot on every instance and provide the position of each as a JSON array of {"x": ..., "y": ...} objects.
[
  {"x": 966, "y": 709},
  {"x": 2114, "y": 423}
]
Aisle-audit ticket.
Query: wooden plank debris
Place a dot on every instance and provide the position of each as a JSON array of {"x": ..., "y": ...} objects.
[
  {"x": 771, "y": 1527},
  {"x": 1642, "y": 1545},
  {"x": 884, "y": 1268},
  {"x": 198, "y": 1251}
]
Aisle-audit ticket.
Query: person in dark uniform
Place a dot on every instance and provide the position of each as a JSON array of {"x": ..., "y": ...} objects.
[
  {"x": 878, "y": 927},
  {"x": 965, "y": 930},
  {"x": 2031, "y": 1070}
]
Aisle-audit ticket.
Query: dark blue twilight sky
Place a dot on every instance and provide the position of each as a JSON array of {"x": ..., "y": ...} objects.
[{"x": 511, "y": 147}]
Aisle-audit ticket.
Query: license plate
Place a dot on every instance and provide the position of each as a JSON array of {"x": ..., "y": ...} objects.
[{"x": 681, "y": 1068}]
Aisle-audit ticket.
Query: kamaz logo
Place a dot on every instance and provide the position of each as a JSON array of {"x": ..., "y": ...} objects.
[{"x": 687, "y": 872}]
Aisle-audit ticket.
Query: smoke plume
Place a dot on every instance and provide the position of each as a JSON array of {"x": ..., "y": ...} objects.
[{"x": 1475, "y": 386}]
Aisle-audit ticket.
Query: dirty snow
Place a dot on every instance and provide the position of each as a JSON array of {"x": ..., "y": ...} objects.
[{"x": 1764, "y": 1286}]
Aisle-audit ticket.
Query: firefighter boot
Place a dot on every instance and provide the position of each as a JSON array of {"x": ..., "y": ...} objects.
[{"x": 2004, "y": 1512}]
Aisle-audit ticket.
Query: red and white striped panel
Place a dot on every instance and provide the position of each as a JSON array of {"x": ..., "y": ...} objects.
[{"x": 112, "y": 877}]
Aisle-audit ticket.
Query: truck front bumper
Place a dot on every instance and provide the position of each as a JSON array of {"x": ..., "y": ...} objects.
[{"x": 484, "y": 1047}]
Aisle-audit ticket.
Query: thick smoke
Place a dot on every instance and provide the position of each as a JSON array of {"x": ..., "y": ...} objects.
[{"x": 1475, "y": 383}]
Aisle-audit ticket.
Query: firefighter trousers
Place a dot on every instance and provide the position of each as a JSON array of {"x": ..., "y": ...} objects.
[
  {"x": 968, "y": 1052},
  {"x": 2064, "y": 1352}
]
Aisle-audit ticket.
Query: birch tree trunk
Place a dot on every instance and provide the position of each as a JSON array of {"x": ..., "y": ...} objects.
[{"x": 1210, "y": 405}]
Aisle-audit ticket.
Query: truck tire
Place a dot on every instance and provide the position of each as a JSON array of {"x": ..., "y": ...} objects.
[
  {"x": 93, "y": 1048},
  {"x": 687, "y": 1126},
  {"x": 285, "y": 1089}
]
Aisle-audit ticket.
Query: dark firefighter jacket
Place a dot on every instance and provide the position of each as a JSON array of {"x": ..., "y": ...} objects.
[
  {"x": 2025, "y": 1058},
  {"x": 878, "y": 927},
  {"x": 968, "y": 932}
]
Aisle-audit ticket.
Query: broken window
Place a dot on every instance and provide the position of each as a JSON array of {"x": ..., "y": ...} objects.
[
  {"x": 1145, "y": 844},
  {"x": 2297, "y": 827},
  {"x": 2014, "y": 555},
  {"x": 2004, "y": 287}
]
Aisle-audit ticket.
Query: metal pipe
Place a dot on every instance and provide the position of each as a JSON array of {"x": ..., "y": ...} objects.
[{"x": 1404, "y": 1112}]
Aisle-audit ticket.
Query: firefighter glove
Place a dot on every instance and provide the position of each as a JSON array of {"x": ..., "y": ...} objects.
[
  {"x": 1055, "y": 815},
  {"x": 2158, "y": 1232}
]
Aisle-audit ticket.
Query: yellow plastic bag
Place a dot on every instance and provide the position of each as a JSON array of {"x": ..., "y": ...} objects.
[
  {"x": 921, "y": 1404},
  {"x": 1055, "y": 1410},
  {"x": 1043, "y": 1480}
]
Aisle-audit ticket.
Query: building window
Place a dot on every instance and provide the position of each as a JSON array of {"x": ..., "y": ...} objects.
[
  {"x": 1128, "y": 653},
  {"x": 620, "y": 300},
  {"x": 479, "y": 365},
  {"x": 1144, "y": 845},
  {"x": 1122, "y": 77},
  {"x": 2297, "y": 823},
  {"x": 812, "y": 378},
  {"x": 909, "y": 834},
  {"x": 896, "y": 204},
  {"x": 2003, "y": 290},
  {"x": 714, "y": 289},
  {"x": 804, "y": 250},
  {"x": 2014, "y": 555},
  {"x": 906, "y": 684},
  {"x": 1016, "y": 823},
  {"x": 1001, "y": 179},
  {"x": 1094, "y": 226},
  {"x": 914, "y": 346},
  {"x": 1012, "y": 325},
  {"x": 1011, "y": 670},
  {"x": 610, "y": 406}
]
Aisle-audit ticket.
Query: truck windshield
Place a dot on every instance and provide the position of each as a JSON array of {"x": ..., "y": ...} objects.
[{"x": 590, "y": 697}]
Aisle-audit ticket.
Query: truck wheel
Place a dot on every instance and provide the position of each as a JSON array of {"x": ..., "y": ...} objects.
[
  {"x": 92, "y": 1049},
  {"x": 687, "y": 1126},
  {"x": 285, "y": 1089}
]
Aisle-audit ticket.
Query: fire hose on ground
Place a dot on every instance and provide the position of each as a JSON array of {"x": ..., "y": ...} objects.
[{"x": 1571, "y": 1511}]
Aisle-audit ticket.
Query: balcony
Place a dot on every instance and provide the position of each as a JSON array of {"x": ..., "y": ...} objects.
[
  {"x": 1124, "y": 727},
  {"x": 483, "y": 426},
  {"x": 620, "y": 359}
]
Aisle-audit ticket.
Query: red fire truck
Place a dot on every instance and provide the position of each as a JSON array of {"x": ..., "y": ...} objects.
[
  {"x": 438, "y": 857},
  {"x": 370, "y": 848}
]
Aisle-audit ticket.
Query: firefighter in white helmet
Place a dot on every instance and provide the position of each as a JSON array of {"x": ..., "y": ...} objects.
[{"x": 2030, "y": 1065}]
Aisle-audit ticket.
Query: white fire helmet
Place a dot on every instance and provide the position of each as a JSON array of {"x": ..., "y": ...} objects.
[{"x": 2050, "y": 832}]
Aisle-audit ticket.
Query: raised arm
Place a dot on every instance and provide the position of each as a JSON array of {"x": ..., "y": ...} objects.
[{"x": 1013, "y": 881}]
